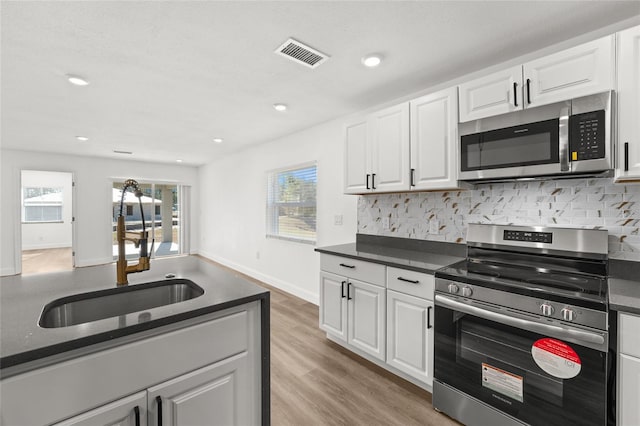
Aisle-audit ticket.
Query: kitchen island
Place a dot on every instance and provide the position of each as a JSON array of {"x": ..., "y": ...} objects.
[{"x": 207, "y": 353}]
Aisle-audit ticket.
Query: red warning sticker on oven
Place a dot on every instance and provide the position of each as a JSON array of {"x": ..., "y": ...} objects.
[{"x": 556, "y": 358}]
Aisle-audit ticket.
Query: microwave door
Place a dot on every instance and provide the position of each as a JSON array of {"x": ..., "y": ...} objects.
[{"x": 526, "y": 150}]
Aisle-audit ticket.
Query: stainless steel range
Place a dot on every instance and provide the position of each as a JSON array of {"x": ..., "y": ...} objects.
[{"x": 522, "y": 329}]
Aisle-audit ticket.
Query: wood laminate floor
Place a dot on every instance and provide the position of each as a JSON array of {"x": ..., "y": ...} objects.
[{"x": 46, "y": 260}]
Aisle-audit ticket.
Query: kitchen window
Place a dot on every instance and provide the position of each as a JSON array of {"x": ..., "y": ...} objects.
[
  {"x": 291, "y": 203},
  {"x": 41, "y": 205}
]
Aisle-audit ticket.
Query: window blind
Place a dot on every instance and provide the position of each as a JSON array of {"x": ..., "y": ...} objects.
[{"x": 291, "y": 203}]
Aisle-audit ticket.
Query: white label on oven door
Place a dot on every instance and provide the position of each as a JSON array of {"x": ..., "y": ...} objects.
[
  {"x": 556, "y": 358},
  {"x": 506, "y": 383}
]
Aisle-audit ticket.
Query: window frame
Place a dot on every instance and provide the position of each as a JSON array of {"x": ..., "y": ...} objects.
[
  {"x": 272, "y": 206},
  {"x": 42, "y": 204}
]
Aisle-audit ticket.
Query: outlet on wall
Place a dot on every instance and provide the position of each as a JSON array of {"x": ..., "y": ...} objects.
[
  {"x": 386, "y": 222},
  {"x": 337, "y": 219},
  {"x": 257, "y": 255},
  {"x": 434, "y": 226}
]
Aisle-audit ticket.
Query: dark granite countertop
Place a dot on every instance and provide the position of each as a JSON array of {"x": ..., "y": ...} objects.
[
  {"x": 624, "y": 286},
  {"x": 23, "y": 298},
  {"x": 415, "y": 255}
]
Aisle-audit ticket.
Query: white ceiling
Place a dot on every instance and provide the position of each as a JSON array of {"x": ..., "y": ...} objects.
[{"x": 169, "y": 76}]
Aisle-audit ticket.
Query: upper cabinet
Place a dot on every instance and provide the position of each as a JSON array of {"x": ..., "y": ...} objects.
[
  {"x": 580, "y": 71},
  {"x": 628, "y": 166},
  {"x": 434, "y": 138},
  {"x": 377, "y": 152}
]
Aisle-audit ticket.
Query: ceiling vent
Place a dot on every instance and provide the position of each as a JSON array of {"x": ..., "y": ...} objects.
[{"x": 301, "y": 53}]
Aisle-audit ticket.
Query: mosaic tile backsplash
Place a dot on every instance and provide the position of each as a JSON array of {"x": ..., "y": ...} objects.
[{"x": 443, "y": 216}]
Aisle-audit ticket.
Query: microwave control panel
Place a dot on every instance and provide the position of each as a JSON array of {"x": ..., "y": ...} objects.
[{"x": 586, "y": 136}]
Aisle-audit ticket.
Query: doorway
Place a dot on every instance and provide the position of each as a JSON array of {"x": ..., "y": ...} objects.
[{"x": 46, "y": 221}]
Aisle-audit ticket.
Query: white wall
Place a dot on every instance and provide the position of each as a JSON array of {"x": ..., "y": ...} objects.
[
  {"x": 233, "y": 209},
  {"x": 93, "y": 200},
  {"x": 49, "y": 235}
]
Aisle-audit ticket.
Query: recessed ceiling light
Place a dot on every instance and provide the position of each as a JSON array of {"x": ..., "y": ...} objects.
[
  {"x": 217, "y": 140},
  {"x": 82, "y": 138},
  {"x": 77, "y": 80},
  {"x": 371, "y": 61},
  {"x": 280, "y": 107},
  {"x": 178, "y": 161}
]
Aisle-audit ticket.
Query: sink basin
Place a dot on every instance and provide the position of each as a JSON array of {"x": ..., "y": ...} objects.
[{"x": 97, "y": 305}]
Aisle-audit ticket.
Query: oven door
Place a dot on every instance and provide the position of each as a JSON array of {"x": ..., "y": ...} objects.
[
  {"x": 527, "y": 369},
  {"x": 532, "y": 149}
]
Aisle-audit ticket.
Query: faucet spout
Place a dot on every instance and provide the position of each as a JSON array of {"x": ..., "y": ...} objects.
[{"x": 139, "y": 239}]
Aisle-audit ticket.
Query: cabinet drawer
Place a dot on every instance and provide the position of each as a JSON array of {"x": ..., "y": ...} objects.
[
  {"x": 629, "y": 337},
  {"x": 373, "y": 273},
  {"x": 414, "y": 283}
]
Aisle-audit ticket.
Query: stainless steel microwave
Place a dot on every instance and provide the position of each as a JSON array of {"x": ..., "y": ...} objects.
[{"x": 563, "y": 139}]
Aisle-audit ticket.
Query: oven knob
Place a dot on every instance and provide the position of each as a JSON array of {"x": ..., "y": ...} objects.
[
  {"x": 453, "y": 288},
  {"x": 547, "y": 309},
  {"x": 467, "y": 291},
  {"x": 568, "y": 314}
]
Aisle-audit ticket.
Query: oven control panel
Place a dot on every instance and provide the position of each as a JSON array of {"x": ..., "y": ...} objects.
[{"x": 528, "y": 236}]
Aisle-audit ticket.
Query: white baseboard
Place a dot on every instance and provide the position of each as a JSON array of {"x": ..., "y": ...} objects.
[
  {"x": 81, "y": 263},
  {"x": 267, "y": 279},
  {"x": 46, "y": 246},
  {"x": 5, "y": 272}
]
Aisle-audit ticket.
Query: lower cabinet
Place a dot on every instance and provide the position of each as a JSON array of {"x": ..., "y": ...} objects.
[
  {"x": 214, "y": 395},
  {"x": 388, "y": 319},
  {"x": 128, "y": 411},
  {"x": 353, "y": 311},
  {"x": 629, "y": 370},
  {"x": 204, "y": 371},
  {"x": 410, "y": 335}
]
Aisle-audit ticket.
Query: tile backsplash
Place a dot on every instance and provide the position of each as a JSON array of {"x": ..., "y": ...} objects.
[{"x": 443, "y": 216}]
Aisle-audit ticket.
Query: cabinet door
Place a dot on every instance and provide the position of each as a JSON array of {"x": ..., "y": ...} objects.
[
  {"x": 629, "y": 414},
  {"x": 367, "y": 318},
  {"x": 434, "y": 130},
  {"x": 217, "y": 394},
  {"x": 357, "y": 157},
  {"x": 410, "y": 335},
  {"x": 333, "y": 305},
  {"x": 629, "y": 103},
  {"x": 390, "y": 143},
  {"x": 579, "y": 71},
  {"x": 128, "y": 411},
  {"x": 494, "y": 94}
]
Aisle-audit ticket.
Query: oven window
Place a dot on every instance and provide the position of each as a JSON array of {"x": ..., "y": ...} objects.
[{"x": 494, "y": 363}]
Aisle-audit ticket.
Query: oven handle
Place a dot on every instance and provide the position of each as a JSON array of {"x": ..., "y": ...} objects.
[{"x": 575, "y": 335}]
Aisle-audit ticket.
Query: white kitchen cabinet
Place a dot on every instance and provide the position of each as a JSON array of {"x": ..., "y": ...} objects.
[
  {"x": 579, "y": 71},
  {"x": 357, "y": 158},
  {"x": 434, "y": 139},
  {"x": 366, "y": 317},
  {"x": 333, "y": 305},
  {"x": 377, "y": 152},
  {"x": 629, "y": 369},
  {"x": 410, "y": 335},
  {"x": 217, "y": 394},
  {"x": 351, "y": 310},
  {"x": 628, "y": 166},
  {"x": 494, "y": 94},
  {"x": 228, "y": 339},
  {"x": 128, "y": 411},
  {"x": 410, "y": 323}
]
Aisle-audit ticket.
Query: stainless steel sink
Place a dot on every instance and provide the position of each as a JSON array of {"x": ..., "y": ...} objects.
[{"x": 97, "y": 305}]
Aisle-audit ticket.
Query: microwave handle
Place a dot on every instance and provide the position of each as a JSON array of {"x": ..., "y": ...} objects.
[{"x": 563, "y": 140}]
